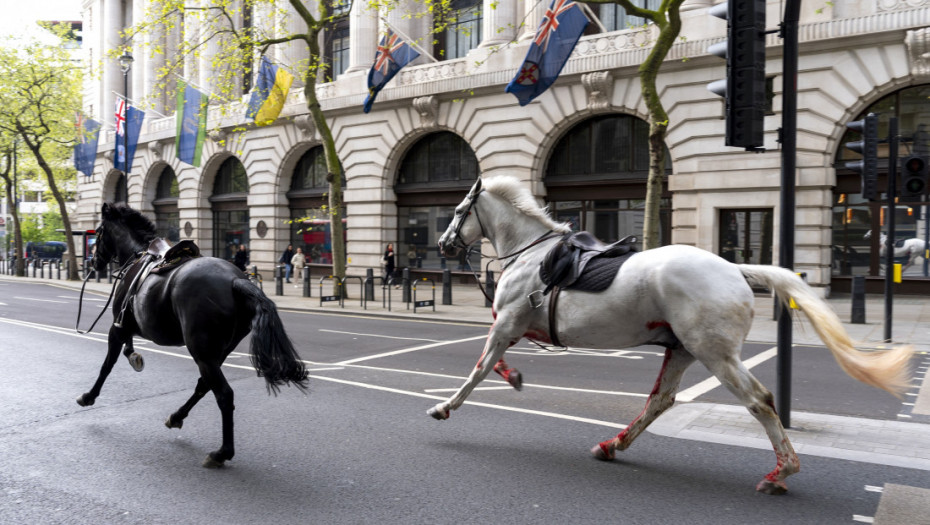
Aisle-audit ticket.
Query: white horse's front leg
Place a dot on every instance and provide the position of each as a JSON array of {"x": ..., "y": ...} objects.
[{"x": 494, "y": 349}]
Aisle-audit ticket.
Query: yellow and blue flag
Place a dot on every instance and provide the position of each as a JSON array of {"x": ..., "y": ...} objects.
[
  {"x": 556, "y": 37},
  {"x": 393, "y": 54},
  {"x": 269, "y": 94},
  {"x": 192, "y": 123}
]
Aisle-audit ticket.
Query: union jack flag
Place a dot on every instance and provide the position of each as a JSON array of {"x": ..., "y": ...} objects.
[
  {"x": 550, "y": 22},
  {"x": 393, "y": 54},
  {"x": 120, "y": 116},
  {"x": 561, "y": 27}
]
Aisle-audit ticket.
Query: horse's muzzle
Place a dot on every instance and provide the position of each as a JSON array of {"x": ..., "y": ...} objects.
[{"x": 449, "y": 249}]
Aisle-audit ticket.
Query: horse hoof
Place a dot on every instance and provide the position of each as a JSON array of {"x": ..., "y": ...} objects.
[
  {"x": 212, "y": 463},
  {"x": 136, "y": 361},
  {"x": 602, "y": 453},
  {"x": 516, "y": 380},
  {"x": 85, "y": 400},
  {"x": 438, "y": 414},
  {"x": 772, "y": 488},
  {"x": 172, "y": 424}
]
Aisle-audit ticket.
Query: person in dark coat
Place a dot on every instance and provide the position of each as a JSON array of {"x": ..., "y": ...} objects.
[
  {"x": 242, "y": 258},
  {"x": 286, "y": 261},
  {"x": 389, "y": 263}
]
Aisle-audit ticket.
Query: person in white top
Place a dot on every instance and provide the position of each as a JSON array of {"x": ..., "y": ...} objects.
[{"x": 297, "y": 261}]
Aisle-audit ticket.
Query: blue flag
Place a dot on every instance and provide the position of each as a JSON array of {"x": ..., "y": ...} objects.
[
  {"x": 128, "y": 126},
  {"x": 555, "y": 39},
  {"x": 191, "y": 123},
  {"x": 393, "y": 54},
  {"x": 85, "y": 151}
]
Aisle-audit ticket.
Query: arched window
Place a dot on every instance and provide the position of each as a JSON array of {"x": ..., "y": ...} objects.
[
  {"x": 434, "y": 176},
  {"x": 309, "y": 205},
  {"x": 596, "y": 178},
  {"x": 854, "y": 216},
  {"x": 229, "y": 203},
  {"x": 167, "y": 220}
]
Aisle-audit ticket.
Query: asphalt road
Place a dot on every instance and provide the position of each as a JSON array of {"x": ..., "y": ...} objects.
[{"x": 359, "y": 447}]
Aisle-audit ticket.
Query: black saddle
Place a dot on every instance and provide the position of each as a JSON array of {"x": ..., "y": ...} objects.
[
  {"x": 581, "y": 261},
  {"x": 900, "y": 243}
]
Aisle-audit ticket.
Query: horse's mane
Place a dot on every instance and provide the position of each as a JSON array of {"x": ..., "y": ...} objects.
[
  {"x": 510, "y": 188},
  {"x": 142, "y": 228}
]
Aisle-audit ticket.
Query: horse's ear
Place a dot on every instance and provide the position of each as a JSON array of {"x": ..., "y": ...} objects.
[
  {"x": 477, "y": 187},
  {"x": 105, "y": 210}
]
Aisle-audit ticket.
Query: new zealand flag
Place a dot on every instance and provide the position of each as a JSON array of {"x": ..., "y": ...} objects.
[{"x": 393, "y": 54}]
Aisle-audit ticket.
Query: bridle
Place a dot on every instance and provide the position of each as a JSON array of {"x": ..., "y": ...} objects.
[
  {"x": 458, "y": 227},
  {"x": 119, "y": 277}
]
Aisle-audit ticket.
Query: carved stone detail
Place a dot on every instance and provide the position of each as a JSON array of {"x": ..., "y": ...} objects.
[
  {"x": 600, "y": 88},
  {"x": 218, "y": 136},
  {"x": 918, "y": 51},
  {"x": 306, "y": 125},
  {"x": 157, "y": 148},
  {"x": 428, "y": 108}
]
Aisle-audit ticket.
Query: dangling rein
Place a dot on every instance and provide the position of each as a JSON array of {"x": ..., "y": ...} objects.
[{"x": 116, "y": 281}]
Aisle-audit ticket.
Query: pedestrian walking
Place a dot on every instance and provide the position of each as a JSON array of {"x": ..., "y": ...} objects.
[
  {"x": 388, "y": 262},
  {"x": 241, "y": 259},
  {"x": 286, "y": 261},
  {"x": 298, "y": 261}
]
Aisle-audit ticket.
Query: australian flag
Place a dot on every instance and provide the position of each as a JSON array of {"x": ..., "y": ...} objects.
[
  {"x": 556, "y": 37},
  {"x": 393, "y": 54},
  {"x": 128, "y": 127}
]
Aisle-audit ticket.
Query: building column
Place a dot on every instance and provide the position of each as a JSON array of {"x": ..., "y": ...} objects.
[
  {"x": 138, "y": 75},
  {"x": 112, "y": 76},
  {"x": 190, "y": 33},
  {"x": 498, "y": 23},
  {"x": 533, "y": 14},
  {"x": 363, "y": 33}
]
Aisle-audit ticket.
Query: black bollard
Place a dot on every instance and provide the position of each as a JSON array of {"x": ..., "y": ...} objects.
[
  {"x": 306, "y": 271},
  {"x": 279, "y": 280},
  {"x": 42, "y": 270},
  {"x": 406, "y": 286},
  {"x": 489, "y": 289},
  {"x": 447, "y": 286},
  {"x": 58, "y": 270},
  {"x": 369, "y": 284},
  {"x": 858, "y": 300}
]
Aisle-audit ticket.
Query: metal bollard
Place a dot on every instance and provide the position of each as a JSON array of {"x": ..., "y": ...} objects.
[
  {"x": 278, "y": 280},
  {"x": 306, "y": 271},
  {"x": 447, "y": 286},
  {"x": 489, "y": 289},
  {"x": 42, "y": 270},
  {"x": 58, "y": 270},
  {"x": 369, "y": 284},
  {"x": 858, "y": 300},
  {"x": 406, "y": 286}
]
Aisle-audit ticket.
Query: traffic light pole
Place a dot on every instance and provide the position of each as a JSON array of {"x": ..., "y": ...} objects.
[
  {"x": 890, "y": 238},
  {"x": 789, "y": 133}
]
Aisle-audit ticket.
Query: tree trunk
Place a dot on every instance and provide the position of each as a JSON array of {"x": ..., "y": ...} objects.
[
  {"x": 333, "y": 168},
  {"x": 20, "y": 264},
  {"x": 65, "y": 219}
]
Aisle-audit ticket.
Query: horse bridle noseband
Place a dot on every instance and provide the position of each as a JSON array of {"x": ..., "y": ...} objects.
[{"x": 458, "y": 228}]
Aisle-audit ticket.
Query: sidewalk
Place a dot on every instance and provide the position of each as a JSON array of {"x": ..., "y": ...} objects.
[{"x": 896, "y": 443}]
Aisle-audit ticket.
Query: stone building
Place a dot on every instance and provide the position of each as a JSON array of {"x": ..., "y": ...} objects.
[{"x": 580, "y": 147}]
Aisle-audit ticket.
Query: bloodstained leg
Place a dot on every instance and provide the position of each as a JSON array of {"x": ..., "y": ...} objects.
[
  {"x": 511, "y": 375},
  {"x": 660, "y": 399}
]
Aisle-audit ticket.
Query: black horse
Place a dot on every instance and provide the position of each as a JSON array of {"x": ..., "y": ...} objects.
[{"x": 206, "y": 304}]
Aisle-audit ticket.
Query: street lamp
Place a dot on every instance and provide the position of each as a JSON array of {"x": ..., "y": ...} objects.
[{"x": 125, "y": 64}]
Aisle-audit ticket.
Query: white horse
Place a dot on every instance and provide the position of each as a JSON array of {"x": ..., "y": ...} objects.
[
  {"x": 692, "y": 302},
  {"x": 910, "y": 248}
]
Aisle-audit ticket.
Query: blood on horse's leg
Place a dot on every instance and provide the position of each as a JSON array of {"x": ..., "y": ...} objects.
[
  {"x": 660, "y": 399},
  {"x": 511, "y": 375}
]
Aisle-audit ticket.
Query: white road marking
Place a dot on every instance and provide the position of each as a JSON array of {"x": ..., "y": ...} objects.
[
  {"x": 690, "y": 394},
  {"x": 3, "y": 304},
  {"x": 76, "y": 298},
  {"x": 41, "y": 300},
  {"x": 873, "y": 488},
  {"x": 863, "y": 519},
  {"x": 407, "y": 350},
  {"x": 438, "y": 390},
  {"x": 379, "y": 336}
]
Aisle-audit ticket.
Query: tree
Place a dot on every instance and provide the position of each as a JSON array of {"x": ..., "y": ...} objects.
[
  {"x": 667, "y": 20},
  {"x": 235, "y": 36},
  {"x": 39, "y": 92},
  {"x": 7, "y": 156}
]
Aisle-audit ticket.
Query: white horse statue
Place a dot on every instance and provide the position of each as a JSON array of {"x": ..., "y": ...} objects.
[
  {"x": 910, "y": 248},
  {"x": 694, "y": 303}
]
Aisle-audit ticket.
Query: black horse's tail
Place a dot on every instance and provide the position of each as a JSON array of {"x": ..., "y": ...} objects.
[{"x": 273, "y": 354}]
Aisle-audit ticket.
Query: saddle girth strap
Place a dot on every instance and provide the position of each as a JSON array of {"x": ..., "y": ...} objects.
[{"x": 553, "y": 330}]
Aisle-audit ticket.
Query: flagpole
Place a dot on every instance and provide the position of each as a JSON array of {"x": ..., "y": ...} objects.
[
  {"x": 127, "y": 99},
  {"x": 189, "y": 83},
  {"x": 409, "y": 40},
  {"x": 592, "y": 17}
]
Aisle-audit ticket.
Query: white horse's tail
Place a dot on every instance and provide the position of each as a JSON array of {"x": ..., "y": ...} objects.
[{"x": 887, "y": 370}]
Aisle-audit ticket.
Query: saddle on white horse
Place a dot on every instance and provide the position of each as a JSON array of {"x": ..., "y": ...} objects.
[{"x": 581, "y": 261}]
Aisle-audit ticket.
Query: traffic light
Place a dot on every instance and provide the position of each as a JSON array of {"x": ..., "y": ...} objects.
[
  {"x": 914, "y": 176},
  {"x": 868, "y": 147},
  {"x": 744, "y": 87}
]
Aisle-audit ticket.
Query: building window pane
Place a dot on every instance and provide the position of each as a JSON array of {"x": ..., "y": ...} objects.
[
  {"x": 311, "y": 232},
  {"x": 746, "y": 236}
]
